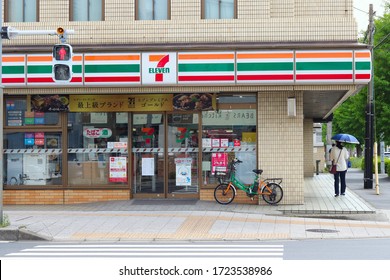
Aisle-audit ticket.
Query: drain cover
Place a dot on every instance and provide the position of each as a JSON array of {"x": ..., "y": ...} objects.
[{"x": 322, "y": 230}]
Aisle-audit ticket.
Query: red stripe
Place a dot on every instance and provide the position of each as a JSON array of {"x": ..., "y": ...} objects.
[
  {"x": 363, "y": 76},
  {"x": 76, "y": 80},
  {"x": 13, "y": 80},
  {"x": 264, "y": 77},
  {"x": 111, "y": 79},
  {"x": 324, "y": 76},
  {"x": 205, "y": 78},
  {"x": 40, "y": 80}
]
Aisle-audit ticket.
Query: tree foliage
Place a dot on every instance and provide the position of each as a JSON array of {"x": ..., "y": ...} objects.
[{"x": 350, "y": 117}]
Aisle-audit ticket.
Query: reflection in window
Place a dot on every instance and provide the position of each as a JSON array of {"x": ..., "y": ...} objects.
[
  {"x": 235, "y": 132},
  {"x": 21, "y": 10},
  {"x": 92, "y": 139},
  {"x": 87, "y": 10},
  {"x": 152, "y": 9},
  {"x": 219, "y": 9},
  {"x": 33, "y": 158}
]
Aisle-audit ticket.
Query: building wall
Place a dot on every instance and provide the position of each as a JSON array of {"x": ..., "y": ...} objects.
[
  {"x": 257, "y": 21},
  {"x": 46, "y": 197},
  {"x": 280, "y": 138}
]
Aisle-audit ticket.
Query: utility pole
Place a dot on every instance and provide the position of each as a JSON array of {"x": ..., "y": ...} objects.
[{"x": 369, "y": 139}]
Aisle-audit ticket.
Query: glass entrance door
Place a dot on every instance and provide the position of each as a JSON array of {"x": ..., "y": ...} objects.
[
  {"x": 165, "y": 155},
  {"x": 148, "y": 138},
  {"x": 183, "y": 155}
]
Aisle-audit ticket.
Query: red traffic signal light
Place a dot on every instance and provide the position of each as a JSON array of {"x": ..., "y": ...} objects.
[{"x": 62, "y": 52}]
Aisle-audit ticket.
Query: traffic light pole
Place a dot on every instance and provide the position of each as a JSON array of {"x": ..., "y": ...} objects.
[{"x": 9, "y": 33}]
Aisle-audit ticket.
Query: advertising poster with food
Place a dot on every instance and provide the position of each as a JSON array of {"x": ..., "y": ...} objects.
[
  {"x": 50, "y": 103},
  {"x": 194, "y": 101}
]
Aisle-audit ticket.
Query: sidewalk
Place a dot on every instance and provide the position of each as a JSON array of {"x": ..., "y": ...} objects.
[{"x": 322, "y": 216}]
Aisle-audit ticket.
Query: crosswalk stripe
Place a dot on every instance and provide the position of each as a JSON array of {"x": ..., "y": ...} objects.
[{"x": 173, "y": 250}]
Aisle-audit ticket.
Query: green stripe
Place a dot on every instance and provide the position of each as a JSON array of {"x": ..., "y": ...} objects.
[
  {"x": 214, "y": 67},
  {"x": 39, "y": 69},
  {"x": 126, "y": 68},
  {"x": 363, "y": 65},
  {"x": 315, "y": 66},
  {"x": 13, "y": 70},
  {"x": 76, "y": 69},
  {"x": 268, "y": 66}
]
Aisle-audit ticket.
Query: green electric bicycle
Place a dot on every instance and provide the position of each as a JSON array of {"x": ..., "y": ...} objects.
[{"x": 268, "y": 188}]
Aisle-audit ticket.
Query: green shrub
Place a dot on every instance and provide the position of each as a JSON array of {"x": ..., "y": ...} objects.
[
  {"x": 356, "y": 162},
  {"x": 387, "y": 165},
  {"x": 5, "y": 222}
]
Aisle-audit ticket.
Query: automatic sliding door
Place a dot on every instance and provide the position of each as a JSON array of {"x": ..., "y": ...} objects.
[
  {"x": 148, "y": 155},
  {"x": 183, "y": 151}
]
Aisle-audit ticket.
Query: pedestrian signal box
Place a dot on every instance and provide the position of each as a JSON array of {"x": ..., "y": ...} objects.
[{"x": 62, "y": 63}]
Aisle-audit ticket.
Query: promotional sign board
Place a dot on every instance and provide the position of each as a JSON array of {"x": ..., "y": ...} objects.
[{"x": 118, "y": 169}]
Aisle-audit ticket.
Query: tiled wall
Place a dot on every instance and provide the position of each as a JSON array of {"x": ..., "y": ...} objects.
[
  {"x": 25, "y": 197},
  {"x": 258, "y": 21},
  {"x": 280, "y": 138}
]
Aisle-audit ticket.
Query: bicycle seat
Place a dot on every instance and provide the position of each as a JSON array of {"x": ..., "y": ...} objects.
[{"x": 258, "y": 171}]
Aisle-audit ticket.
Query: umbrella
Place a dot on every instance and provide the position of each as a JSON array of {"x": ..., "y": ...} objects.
[{"x": 346, "y": 138}]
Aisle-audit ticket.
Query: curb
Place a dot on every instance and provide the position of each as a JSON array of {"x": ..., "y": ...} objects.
[{"x": 20, "y": 234}]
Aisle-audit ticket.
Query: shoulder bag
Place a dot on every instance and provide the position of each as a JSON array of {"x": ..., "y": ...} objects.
[{"x": 333, "y": 169}]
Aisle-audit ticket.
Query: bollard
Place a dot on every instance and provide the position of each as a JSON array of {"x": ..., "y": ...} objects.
[{"x": 317, "y": 166}]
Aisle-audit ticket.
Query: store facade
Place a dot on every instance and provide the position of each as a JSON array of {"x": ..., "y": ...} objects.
[
  {"x": 157, "y": 104},
  {"x": 81, "y": 147}
]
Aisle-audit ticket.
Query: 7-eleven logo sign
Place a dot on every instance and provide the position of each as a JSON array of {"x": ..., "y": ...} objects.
[{"x": 159, "y": 68}]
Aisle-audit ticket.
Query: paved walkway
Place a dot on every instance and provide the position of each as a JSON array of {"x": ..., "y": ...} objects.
[{"x": 322, "y": 216}]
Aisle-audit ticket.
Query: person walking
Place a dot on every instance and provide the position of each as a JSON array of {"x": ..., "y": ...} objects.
[{"x": 339, "y": 157}]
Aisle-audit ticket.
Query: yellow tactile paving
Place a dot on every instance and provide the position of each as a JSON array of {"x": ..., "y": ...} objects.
[{"x": 199, "y": 227}]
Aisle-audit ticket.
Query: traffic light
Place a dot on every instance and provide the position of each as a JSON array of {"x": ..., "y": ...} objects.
[{"x": 62, "y": 63}]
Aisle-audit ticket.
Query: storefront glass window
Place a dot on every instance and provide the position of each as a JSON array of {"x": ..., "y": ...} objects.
[
  {"x": 97, "y": 148},
  {"x": 33, "y": 158},
  {"x": 229, "y": 134},
  {"x": 17, "y": 115}
]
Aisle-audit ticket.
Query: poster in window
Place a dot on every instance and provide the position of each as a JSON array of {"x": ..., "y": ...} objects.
[
  {"x": 50, "y": 103},
  {"x": 183, "y": 171},
  {"x": 219, "y": 162},
  {"x": 118, "y": 169},
  {"x": 147, "y": 166}
]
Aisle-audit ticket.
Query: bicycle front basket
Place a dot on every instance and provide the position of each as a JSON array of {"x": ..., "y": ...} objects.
[{"x": 222, "y": 176}]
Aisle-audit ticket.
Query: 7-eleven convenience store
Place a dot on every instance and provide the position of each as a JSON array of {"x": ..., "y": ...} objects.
[{"x": 158, "y": 124}]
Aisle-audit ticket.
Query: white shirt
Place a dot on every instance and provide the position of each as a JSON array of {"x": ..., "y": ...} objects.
[{"x": 342, "y": 160}]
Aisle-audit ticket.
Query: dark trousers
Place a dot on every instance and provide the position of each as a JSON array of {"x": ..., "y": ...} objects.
[{"x": 339, "y": 177}]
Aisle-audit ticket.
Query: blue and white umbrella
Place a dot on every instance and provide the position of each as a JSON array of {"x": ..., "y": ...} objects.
[{"x": 346, "y": 138}]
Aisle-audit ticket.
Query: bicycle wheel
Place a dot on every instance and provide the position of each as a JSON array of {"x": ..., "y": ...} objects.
[
  {"x": 273, "y": 194},
  {"x": 223, "y": 194}
]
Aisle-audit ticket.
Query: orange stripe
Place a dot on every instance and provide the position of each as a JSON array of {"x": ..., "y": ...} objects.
[
  {"x": 13, "y": 59},
  {"x": 156, "y": 57},
  {"x": 77, "y": 58},
  {"x": 207, "y": 56},
  {"x": 264, "y": 55},
  {"x": 325, "y": 55},
  {"x": 40, "y": 58},
  {"x": 363, "y": 54},
  {"x": 112, "y": 57}
]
